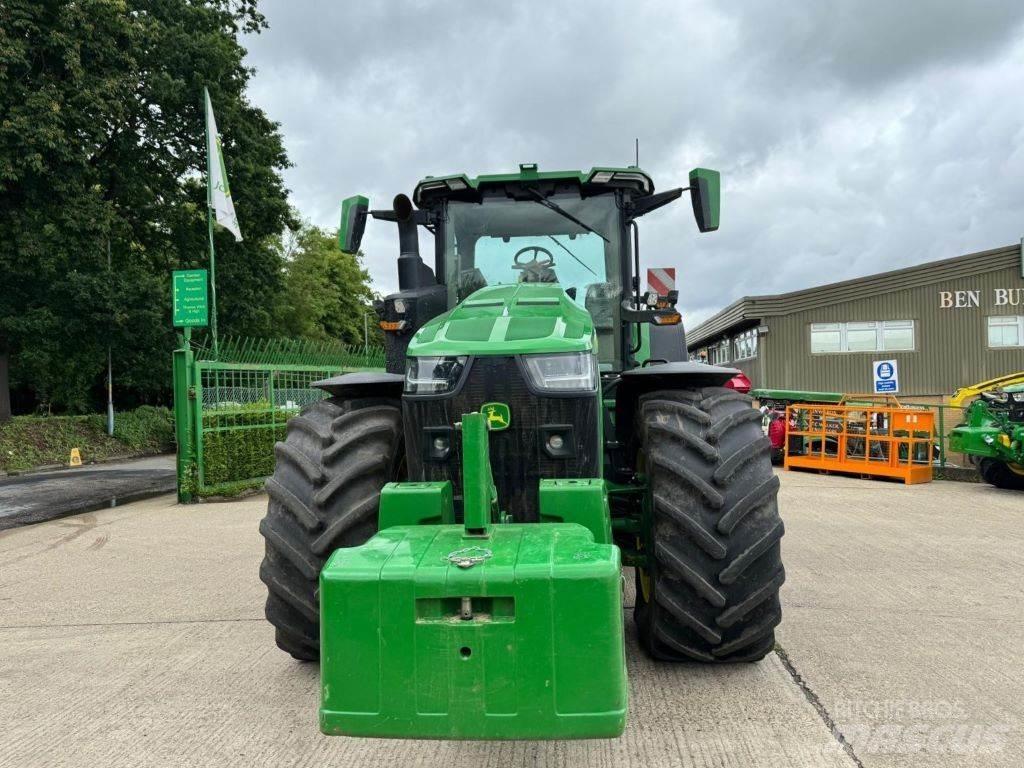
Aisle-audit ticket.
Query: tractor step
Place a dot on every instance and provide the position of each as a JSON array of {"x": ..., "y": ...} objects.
[{"x": 428, "y": 632}]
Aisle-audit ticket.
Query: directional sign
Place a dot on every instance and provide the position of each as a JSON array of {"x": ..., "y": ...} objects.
[
  {"x": 887, "y": 377},
  {"x": 191, "y": 308}
]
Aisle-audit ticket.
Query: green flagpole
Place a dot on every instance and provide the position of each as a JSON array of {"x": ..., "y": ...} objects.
[{"x": 209, "y": 226}]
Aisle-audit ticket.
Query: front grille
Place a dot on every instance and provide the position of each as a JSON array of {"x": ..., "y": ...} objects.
[{"x": 518, "y": 460}]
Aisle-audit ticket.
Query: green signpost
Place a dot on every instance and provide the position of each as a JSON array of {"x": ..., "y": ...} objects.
[
  {"x": 190, "y": 309},
  {"x": 190, "y": 299}
]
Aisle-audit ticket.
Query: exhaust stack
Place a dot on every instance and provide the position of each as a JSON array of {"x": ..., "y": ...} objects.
[{"x": 412, "y": 272}]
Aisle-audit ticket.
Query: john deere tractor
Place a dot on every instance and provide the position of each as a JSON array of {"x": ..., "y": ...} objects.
[
  {"x": 992, "y": 432},
  {"x": 447, "y": 537}
]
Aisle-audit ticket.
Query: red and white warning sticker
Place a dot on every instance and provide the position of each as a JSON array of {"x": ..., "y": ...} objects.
[{"x": 661, "y": 280}]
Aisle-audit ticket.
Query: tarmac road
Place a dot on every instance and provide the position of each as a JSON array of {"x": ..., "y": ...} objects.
[
  {"x": 135, "y": 637},
  {"x": 42, "y": 496}
]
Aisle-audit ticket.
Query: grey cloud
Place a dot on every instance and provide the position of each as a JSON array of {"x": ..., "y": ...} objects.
[
  {"x": 867, "y": 43},
  {"x": 852, "y": 137}
]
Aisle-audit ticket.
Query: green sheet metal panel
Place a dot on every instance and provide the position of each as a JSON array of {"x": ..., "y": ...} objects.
[
  {"x": 525, "y": 318},
  {"x": 542, "y": 656},
  {"x": 796, "y": 395},
  {"x": 420, "y": 503},
  {"x": 577, "y": 500}
]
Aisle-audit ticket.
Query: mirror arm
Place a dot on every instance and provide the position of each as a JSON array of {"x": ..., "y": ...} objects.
[
  {"x": 650, "y": 203},
  {"x": 419, "y": 216},
  {"x": 631, "y": 314}
]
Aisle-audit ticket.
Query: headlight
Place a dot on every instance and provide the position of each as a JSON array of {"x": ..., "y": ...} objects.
[
  {"x": 573, "y": 372},
  {"x": 433, "y": 375}
]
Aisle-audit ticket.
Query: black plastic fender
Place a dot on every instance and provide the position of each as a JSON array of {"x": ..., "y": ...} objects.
[
  {"x": 639, "y": 381},
  {"x": 363, "y": 384}
]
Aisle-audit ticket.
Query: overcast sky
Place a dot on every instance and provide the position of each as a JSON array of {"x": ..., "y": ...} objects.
[{"x": 852, "y": 137}]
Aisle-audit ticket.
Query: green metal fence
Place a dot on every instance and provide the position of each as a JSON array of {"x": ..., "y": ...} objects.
[
  {"x": 946, "y": 418},
  {"x": 230, "y": 408}
]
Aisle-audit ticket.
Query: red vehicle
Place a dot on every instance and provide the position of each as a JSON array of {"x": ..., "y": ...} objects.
[{"x": 740, "y": 383}]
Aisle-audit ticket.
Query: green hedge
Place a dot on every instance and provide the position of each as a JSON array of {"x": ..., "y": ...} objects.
[
  {"x": 147, "y": 429},
  {"x": 33, "y": 441},
  {"x": 238, "y": 442}
]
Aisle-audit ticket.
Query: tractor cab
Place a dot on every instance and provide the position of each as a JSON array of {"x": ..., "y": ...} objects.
[
  {"x": 573, "y": 229},
  {"x": 531, "y": 300}
]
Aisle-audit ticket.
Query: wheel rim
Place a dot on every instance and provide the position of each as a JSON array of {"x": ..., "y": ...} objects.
[{"x": 645, "y": 585}]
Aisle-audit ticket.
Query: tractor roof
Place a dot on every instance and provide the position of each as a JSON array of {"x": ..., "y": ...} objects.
[{"x": 461, "y": 186}]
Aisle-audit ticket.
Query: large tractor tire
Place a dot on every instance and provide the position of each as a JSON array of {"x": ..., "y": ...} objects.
[
  {"x": 324, "y": 494},
  {"x": 710, "y": 591},
  {"x": 1001, "y": 474}
]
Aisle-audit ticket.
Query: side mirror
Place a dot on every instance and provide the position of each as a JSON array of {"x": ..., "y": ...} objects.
[
  {"x": 353, "y": 222},
  {"x": 705, "y": 194}
]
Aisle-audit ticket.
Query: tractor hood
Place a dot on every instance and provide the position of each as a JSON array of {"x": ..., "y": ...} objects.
[{"x": 508, "y": 320}]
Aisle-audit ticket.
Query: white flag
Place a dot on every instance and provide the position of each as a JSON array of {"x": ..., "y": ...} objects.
[{"x": 218, "y": 190}]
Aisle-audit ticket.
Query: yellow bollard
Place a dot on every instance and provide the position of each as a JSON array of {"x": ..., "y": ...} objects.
[{"x": 76, "y": 458}]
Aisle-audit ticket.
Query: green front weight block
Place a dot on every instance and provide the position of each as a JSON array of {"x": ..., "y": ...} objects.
[
  {"x": 487, "y": 630},
  {"x": 428, "y": 633}
]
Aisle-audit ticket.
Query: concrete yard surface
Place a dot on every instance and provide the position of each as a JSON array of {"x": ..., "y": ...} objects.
[
  {"x": 904, "y": 614},
  {"x": 135, "y": 636}
]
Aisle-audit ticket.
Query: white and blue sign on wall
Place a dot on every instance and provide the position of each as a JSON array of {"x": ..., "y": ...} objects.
[{"x": 887, "y": 377}]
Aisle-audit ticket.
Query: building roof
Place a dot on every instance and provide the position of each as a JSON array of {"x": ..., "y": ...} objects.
[{"x": 749, "y": 309}]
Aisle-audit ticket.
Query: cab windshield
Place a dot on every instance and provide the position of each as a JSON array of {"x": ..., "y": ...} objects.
[{"x": 503, "y": 241}]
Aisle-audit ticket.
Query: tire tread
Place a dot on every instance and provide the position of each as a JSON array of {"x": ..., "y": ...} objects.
[
  {"x": 324, "y": 494},
  {"x": 715, "y": 563}
]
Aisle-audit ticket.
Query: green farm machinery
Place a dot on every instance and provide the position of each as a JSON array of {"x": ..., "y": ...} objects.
[
  {"x": 992, "y": 432},
  {"x": 447, "y": 537}
]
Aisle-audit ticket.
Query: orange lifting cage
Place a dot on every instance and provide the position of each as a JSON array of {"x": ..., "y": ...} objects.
[{"x": 861, "y": 436}]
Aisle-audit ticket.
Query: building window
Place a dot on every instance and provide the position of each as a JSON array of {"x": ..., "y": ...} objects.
[
  {"x": 1006, "y": 331},
  {"x": 745, "y": 344},
  {"x": 826, "y": 337},
  {"x": 871, "y": 336},
  {"x": 719, "y": 353},
  {"x": 898, "y": 335},
  {"x": 861, "y": 337}
]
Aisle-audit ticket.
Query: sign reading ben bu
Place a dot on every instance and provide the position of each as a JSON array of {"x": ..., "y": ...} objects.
[
  {"x": 191, "y": 309},
  {"x": 887, "y": 378}
]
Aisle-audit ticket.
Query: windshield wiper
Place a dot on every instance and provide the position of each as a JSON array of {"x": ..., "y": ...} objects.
[
  {"x": 566, "y": 249},
  {"x": 562, "y": 212}
]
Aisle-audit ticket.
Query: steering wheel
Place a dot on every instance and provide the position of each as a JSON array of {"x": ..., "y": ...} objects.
[{"x": 535, "y": 266}]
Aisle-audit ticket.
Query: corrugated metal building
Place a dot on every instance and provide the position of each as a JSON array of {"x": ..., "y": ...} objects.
[{"x": 947, "y": 323}]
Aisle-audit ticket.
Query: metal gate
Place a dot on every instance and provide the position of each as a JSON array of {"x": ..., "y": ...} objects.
[{"x": 230, "y": 411}]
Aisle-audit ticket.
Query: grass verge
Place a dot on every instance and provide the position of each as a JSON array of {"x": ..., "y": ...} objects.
[{"x": 27, "y": 442}]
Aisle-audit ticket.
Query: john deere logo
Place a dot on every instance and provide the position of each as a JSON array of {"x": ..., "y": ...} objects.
[{"x": 498, "y": 416}]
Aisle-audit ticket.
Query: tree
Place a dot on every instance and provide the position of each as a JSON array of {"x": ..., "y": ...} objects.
[
  {"x": 326, "y": 292},
  {"x": 102, "y": 141}
]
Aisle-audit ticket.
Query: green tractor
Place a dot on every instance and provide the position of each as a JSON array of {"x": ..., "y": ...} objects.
[
  {"x": 992, "y": 432},
  {"x": 447, "y": 537}
]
